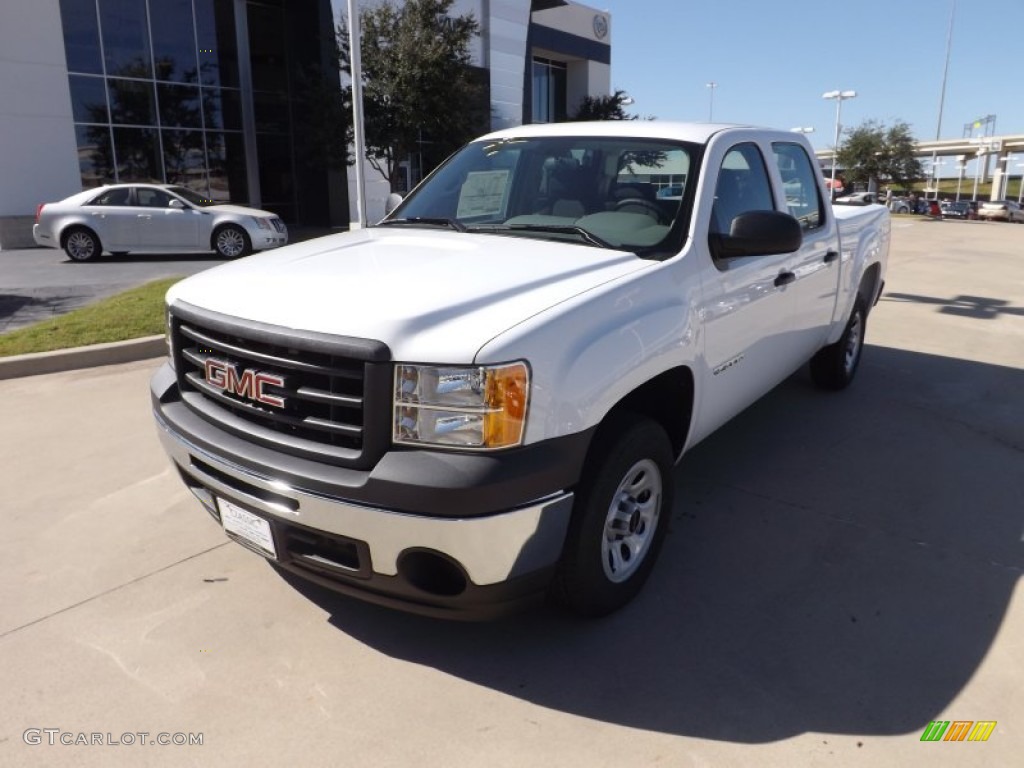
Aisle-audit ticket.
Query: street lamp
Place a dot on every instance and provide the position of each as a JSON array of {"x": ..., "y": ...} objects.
[
  {"x": 840, "y": 97},
  {"x": 711, "y": 99}
]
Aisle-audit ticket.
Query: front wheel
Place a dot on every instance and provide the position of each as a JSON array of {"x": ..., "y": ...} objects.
[
  {"x": 231, "y": 242},
  {"x": 620, "y": 517},
  {"x": 834, "y": 366}
]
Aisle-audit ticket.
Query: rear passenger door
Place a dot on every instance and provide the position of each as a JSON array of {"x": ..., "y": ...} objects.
[
  {"x": 816, "y": 265},
  {"x": 112, "y": 217}
]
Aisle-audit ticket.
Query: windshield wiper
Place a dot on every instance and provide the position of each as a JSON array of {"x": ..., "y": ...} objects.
[
  {"x": 571, "y": 229},
  {"x": 455, "y": 224}
]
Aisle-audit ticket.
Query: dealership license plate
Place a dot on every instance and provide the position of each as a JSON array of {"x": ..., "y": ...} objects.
[{"x": 252, "y": 529}]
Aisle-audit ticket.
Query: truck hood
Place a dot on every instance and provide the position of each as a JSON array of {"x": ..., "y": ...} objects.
[{"x": 430, "y": 295}]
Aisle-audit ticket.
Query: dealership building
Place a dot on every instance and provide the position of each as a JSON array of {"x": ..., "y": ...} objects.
[{"x": 218, "y": 95}]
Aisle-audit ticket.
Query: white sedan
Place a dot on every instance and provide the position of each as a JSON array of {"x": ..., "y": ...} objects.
[{"x": 153, "y": 218}]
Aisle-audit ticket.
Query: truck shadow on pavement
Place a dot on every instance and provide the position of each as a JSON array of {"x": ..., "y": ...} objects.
[{"x": 837, "y": 563}]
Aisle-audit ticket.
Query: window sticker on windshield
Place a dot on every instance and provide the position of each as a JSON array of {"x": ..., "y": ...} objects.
[{"x": 483, "y": 194}]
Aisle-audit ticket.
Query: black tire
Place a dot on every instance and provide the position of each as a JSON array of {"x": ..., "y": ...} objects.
[
  {"x": 231, "y": 242},
  {"x": 834, "y": 366},
  {"x": 81, "y": 244},
  {"x": 620, "y": 517}
]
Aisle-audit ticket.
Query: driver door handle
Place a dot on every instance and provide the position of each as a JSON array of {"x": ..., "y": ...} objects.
[
  {"x": 784, "y": 278},
  {"x": 831, "y": 256}
]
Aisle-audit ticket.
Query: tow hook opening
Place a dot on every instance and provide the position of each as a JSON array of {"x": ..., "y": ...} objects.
[{"x": 433, "y": 573}]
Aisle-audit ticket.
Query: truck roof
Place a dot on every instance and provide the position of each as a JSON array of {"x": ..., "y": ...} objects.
[{"x": 650, "y": 129}]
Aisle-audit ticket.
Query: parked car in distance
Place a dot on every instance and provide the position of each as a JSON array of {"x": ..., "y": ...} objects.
[
  {"x": 958, "y": 209},
  {"x": 1001, "y": 210},
  {"x": 153, "y": 218},
  {"x": 899, "y": 205},
  {"x": 672, "y": 192},
  {"x": 857, "y": 198}
]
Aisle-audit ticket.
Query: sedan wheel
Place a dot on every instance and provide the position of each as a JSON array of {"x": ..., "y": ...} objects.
[
  {"x": 81, "y": 245},
  {"x": 231, "y": 242}
]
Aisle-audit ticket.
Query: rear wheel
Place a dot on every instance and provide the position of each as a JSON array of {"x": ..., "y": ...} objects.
[
  {"x": 620, "y": 517},
  {"x": 231, "y": 242},
  {"x": 80, "y": 244},
  {"x": 835, "y": 366}
]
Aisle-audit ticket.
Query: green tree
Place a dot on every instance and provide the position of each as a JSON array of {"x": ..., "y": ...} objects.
[
  {"x": 421, "y": 97},
  {"x": 873, "y": 152},
  {"x": 604, "y": 108}
]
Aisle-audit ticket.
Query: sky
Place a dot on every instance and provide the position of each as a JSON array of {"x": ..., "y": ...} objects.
[{"x": 773, "y": 60}]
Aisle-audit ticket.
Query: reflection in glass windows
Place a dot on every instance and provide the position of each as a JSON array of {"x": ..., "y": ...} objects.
[
  {"x": 95, "y": 155},
  {"x": 138, "y": 154},
  {"x": 155, "y": 93},
  {"x": 125, "y": 37},
  {"x": 218, "y": 51},
  {"x": 185, "y": 159},
  {"x": 81, "y": 36},
  {"x": 88, "y": 99},
  {"x": 179, "y": 106},
  {"x": 131, "y": 102},
  {"x": 226, "y": 153},
  {"x": 174, "y": 40}
]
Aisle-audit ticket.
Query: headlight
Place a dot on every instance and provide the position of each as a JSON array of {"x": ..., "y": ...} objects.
[
  {"x": 480, "y": 406},
  {"x": 262, "y": 223}
]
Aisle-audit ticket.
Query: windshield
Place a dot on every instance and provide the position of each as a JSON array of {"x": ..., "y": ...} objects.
[
  {"x": 621, "y": 193},
  {"x": 196, "y": 200}
]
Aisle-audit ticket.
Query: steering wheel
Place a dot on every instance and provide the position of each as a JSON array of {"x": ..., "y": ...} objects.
[{"x": 650, "y": 208}]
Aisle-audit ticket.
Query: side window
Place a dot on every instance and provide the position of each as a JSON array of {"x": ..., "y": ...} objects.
[
  {"x": 800, "y": 178},
  {"x": 119, "y": 196},
  {"x": 742, "y": 186},
  {"x": 152, "y": 198}
]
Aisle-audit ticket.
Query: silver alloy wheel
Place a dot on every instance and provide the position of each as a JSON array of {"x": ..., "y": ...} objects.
[
  {"x": 853, "y": 342},
  {"x": 81, "y": 246},
  {"x": 631, "y": 521},
  {"x": 230, "y": 242}
]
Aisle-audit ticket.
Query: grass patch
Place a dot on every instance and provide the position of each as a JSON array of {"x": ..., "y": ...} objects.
[{"x": 129, "y": 315}]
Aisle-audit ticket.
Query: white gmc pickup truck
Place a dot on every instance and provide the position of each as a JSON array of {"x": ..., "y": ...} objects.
[{"x": 479, "y": 401}]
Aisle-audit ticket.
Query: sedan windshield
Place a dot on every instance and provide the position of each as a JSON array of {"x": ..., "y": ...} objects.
[
  {"x": 197, "y": 200},
  {"x": 598, "y": 191}
]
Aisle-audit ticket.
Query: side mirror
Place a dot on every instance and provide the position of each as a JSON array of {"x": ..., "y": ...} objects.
[
  {"x": 393, "y": 201},
  {"x": 758, "y": 233},
  {"x": 176, "y": 203}
]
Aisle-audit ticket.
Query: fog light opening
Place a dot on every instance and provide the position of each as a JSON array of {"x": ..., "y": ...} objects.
[{"x": 433, "y": 573}]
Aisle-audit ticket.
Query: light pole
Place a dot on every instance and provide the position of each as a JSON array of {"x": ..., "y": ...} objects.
[
  {"x": 840, "y": 97},
  {"x": 711, "y": 99}
]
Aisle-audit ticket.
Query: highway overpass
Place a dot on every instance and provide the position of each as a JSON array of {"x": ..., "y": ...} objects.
[{"x": 983, "y": 147}]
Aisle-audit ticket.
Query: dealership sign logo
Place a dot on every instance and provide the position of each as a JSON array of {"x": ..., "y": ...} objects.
[
  {"x": 250, "y": 384},
  {"x": 958, "y": 730}
]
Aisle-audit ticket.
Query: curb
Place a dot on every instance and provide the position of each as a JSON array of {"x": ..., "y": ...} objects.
[{"x": 72, "y": 359}]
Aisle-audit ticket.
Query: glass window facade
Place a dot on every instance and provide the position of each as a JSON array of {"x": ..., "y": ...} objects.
[
  {"x": 549, "y": 90},
  {"x": 155, "y": 93}
]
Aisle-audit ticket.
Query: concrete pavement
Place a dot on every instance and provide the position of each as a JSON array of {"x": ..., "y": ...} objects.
[{"x": 841, "y": 570}]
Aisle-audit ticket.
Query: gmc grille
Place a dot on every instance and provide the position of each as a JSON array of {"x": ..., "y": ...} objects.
[{"x": 336, "y": 390}]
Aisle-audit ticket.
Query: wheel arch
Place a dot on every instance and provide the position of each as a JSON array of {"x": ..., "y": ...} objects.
[
  {"x": 71, "y": 226},
  {"x": 666, "y": 399},
  {"x": 870, "y": 288}
]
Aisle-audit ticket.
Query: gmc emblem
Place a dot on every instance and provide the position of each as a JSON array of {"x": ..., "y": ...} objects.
[{"x": 250, "y": 385}]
